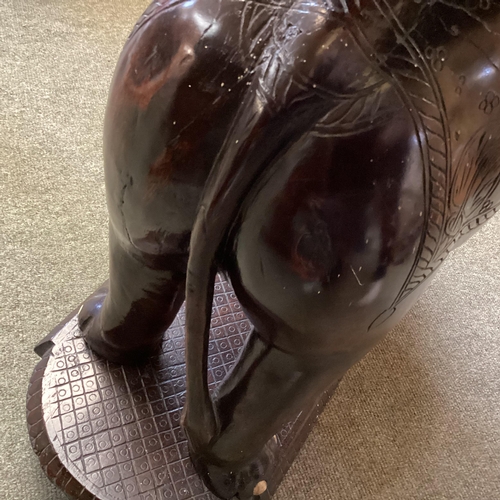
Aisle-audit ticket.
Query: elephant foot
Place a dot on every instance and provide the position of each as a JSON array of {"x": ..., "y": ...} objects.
[{"x": 89, "y": 321}]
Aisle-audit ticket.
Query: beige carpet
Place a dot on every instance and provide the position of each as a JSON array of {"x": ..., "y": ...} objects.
[{"x": 419, "y": 418}]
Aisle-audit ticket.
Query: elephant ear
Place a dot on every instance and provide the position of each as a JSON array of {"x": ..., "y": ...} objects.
[
  {"x": 153, "y": 9},
  {"x": 155, "y": 59},
  {"x": 162, "y": 47}
]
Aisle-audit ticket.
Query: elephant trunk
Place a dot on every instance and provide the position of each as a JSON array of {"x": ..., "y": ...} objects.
[{"x": 260, "y": 134}]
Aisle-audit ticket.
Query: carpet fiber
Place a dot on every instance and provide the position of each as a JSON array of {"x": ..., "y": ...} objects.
[{"x": 418, "y": 418}]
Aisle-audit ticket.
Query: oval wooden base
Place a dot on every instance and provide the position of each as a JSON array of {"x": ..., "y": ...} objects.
[{"x": 110, "y": 432}]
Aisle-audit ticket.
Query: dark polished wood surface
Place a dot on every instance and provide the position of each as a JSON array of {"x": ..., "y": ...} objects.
[{"x": 327, "y": 156}]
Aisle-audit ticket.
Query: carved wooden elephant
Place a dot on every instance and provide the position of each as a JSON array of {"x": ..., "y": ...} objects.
[{"x": 326, "y": 155}]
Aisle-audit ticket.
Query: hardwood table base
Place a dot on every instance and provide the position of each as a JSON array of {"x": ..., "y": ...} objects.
[{"x": 110, "y": 432}]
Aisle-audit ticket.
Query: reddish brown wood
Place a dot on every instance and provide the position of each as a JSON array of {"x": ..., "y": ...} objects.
[
  {"x": 327, "y": 156},
  {"x": 110, "y": 432}
]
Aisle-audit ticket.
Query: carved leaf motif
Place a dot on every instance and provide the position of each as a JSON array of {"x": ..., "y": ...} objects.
[{"x": 475, "y": 189}]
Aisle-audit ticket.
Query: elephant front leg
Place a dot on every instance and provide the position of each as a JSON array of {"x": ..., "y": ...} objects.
[{"x": 124, "y": 321}]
